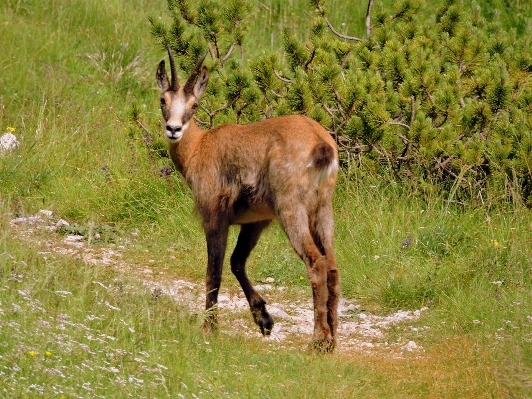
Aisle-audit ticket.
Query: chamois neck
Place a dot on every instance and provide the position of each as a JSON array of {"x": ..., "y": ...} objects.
[{"x": 181, "y": 152}]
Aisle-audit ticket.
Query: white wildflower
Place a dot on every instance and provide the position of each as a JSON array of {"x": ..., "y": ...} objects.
[{"x": 111, "y": 306}]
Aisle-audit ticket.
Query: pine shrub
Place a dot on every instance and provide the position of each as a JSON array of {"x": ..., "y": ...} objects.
[{"x": 441, "y": 104}]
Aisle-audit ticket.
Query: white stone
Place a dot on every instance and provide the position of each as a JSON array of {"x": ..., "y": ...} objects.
[
  {"x": 61, "y": 223},
  {"x": 8, "y": 142},
  {"x": 278, "y": 313},
  {"x": 46, "y": 213},
  {"x": 74, "y": 238}
]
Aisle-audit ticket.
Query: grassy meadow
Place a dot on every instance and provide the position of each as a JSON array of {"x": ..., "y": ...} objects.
[{"x": 71, "y": 74}]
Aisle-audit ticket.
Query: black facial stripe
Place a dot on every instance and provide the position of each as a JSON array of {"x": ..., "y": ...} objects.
[
  {"x": 166, "y": 112},
  {"x": 188, "y": 115}
]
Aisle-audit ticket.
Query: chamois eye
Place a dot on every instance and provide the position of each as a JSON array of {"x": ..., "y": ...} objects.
[
  {"x": 163, "y": 101},
  {"x": 195, "y": 105}
]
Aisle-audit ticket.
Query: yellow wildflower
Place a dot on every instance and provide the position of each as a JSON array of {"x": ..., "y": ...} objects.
[
  {"x": 48, "y": 353},
  {"x": 32, "y": 353},
  {"x": 496, "y": 243},
  {"x": 11, "y": 129}
]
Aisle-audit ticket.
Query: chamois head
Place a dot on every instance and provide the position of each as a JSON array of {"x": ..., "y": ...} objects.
[{"x": 179, "y": 102}]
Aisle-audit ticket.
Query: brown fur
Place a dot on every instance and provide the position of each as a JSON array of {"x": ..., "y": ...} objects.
[{"x": 283, "y": 168}]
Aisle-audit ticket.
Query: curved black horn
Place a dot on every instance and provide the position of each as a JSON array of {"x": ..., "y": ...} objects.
[
  {"x": 175, "y": 82},
  {"x": 189, "y": 86}
]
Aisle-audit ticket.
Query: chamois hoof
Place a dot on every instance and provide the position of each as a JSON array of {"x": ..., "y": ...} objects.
[
  {"x": 326, "y": 345},
  {"x": 266, "y": 324},
  {"x": 210, "y": 325},
  {"x": 262, "y": 317}
]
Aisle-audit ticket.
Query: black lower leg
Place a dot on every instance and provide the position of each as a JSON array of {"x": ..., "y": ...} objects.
[
  {"x": 261, "y": 316},
  {"x": 247, "y": 239},
  {"x": 216, "y": 244}
]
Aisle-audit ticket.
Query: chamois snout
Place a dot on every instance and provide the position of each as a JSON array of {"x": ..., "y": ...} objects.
[{"x": 174, "y": 133}]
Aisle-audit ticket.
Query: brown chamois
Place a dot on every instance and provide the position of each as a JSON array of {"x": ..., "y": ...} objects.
[{"x": 282, "y": 168}]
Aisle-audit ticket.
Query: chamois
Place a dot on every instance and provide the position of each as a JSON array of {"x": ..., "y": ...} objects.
[{"x": 282, "y": 168}]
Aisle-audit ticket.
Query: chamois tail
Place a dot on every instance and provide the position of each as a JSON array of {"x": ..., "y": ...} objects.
[{"x": 323, "y": 161}]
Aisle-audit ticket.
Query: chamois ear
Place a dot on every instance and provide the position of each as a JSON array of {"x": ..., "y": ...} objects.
[
  {"x": 162, "y": 78},
  {"x": 201, "y": 83}
]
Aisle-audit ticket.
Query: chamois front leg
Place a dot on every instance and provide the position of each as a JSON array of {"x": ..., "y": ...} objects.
[
  {"x": 216, "y": 235},
  {"x": 247, "y": 239}
]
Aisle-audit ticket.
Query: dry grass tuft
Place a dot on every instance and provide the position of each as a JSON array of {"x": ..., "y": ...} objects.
[{"x": 455, "y": 368}]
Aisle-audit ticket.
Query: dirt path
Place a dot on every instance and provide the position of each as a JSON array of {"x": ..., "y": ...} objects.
[{"x": 359, "y": 331}]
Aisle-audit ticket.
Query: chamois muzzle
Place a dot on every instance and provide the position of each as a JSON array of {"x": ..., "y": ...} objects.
[{"x": 174, "y": 133}]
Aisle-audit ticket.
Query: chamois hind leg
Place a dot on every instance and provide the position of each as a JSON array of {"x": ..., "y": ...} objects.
[
  {"x": 247, "y": 239},
  {"x": 216, "y": 235},
  {"x": 322, "y": 232},
  {"x": 295, "y": 221}
]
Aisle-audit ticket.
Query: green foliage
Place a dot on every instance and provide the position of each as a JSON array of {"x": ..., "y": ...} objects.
[
  {"x": 439, "y": 103},
  {"x": 232, "y": 94}
]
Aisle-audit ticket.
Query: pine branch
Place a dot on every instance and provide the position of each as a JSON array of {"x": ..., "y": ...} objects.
[
  {"x": 276, "y": 94},
  {"x": 198, "y": 120},
  {"x": 281, "y": 78},
  {"x": 339, "y": 101},
  {"x": 211, "y": 51},
  {"x": 399, "y": 124},
  {"x": 224, "y": 58},
  {"x": 312, "y": 54},
  {"x": 212, "y": 114},
  {"x": 344, "y": 61},
  {"x": 331, "y": 27},
  {"x": 318, "y": 97},
  {"x": 215, "y": 40},
  {"x": 368, "y": 19},
  {"x": 187, "y": 15}
]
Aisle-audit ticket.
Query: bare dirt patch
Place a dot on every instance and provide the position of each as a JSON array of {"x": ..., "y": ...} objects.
[{"x": 359, "y": 331}]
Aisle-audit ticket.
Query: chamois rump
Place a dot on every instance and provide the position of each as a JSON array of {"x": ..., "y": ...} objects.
[{"x": 282, "y": 168}]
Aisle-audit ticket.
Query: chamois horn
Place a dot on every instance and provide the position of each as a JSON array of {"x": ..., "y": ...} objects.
[
  {"x": 175, "y": 82},
  {"x": 189, "y": 86}
]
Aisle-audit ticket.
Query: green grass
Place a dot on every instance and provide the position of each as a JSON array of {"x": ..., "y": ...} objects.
[
  {"x": 71, "y": 74},
  {"x": 68, "y": 331}
]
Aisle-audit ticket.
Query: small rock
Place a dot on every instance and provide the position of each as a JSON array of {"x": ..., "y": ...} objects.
[
  {"x": 45, "y": 213},
  {"x": 8, "y": 142},
  {"x": 61, "y": 223},
  {"x": 411, "y": 346},
  {"x": 223, "y": 298},
  {"x": 263, "y": 287},
  {"x": 18, "y": 221},
  {"x": 278, "y": 313},
  {"x": 74, "y": 238}
]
